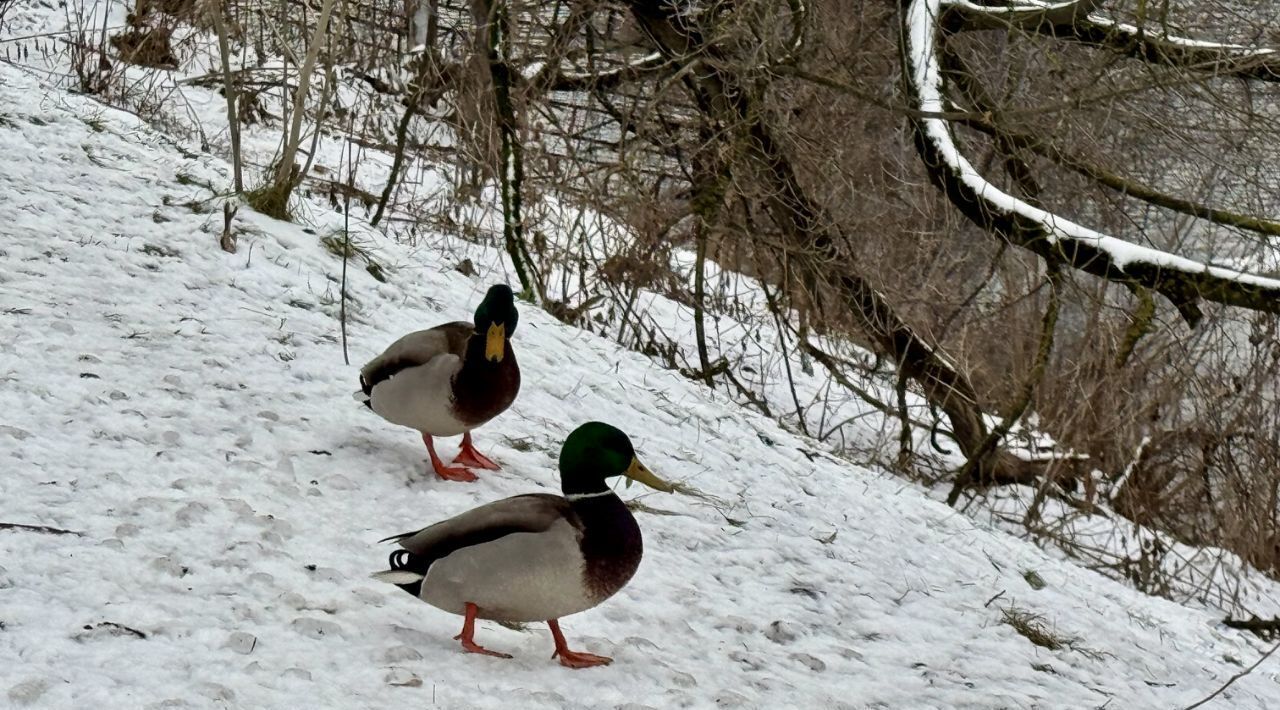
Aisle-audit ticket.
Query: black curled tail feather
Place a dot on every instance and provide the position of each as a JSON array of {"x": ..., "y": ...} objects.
[
  {"x": 405, "y": 561},
  {"x": 402, "y": 559}
]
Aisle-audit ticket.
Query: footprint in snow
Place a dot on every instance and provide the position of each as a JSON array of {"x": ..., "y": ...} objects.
[
  {"x": 401, "y": 654},
  {"x": 813, "y": 663},
  {"x": 318, "y": 629},
  {"x": 28, "y": 692}
]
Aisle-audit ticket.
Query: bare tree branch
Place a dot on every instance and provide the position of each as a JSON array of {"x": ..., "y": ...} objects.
[
  {"x": 1183, "y": 281},
  {"x": 1076, "y": 21}
]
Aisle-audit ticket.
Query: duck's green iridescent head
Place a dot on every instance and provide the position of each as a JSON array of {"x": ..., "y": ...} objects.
[
  {"x": 496, "y": 318},
  {"x": 596, "y": 451}
]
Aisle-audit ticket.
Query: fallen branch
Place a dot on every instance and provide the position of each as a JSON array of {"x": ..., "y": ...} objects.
[{"x": 1263, "y": 628}]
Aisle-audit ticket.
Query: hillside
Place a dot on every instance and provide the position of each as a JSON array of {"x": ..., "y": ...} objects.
[{"x": 186, "y": 413}]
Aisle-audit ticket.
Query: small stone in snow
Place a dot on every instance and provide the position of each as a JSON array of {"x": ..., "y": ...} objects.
[
  {"x": 269, "y": 415},
  {"x": 241, "y": 642},
  {"x": 117, "y": 395}
]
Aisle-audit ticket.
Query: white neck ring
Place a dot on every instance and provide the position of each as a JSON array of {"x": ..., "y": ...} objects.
[{"x": 583, "y": 496}]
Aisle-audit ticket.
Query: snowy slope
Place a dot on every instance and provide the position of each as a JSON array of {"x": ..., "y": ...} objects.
[{"x": 188, "y": 412}]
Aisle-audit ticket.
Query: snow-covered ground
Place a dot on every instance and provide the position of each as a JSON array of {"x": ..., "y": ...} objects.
[{"x": 187, "y": 412}]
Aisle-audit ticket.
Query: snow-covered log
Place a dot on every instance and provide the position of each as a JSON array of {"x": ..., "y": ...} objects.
[
  {"x": 1183, "y": 281},
  {"x": 1078, "y": 21}
]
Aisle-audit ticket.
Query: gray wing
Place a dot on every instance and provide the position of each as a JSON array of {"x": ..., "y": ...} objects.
[
  {"x": 533, "y": 512},
  {"x": 415, "y": 349}
]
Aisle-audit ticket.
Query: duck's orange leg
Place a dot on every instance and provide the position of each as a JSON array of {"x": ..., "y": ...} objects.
[
  {"x": 468, "y": 631},
  {"x": 573, "y": 659},
  {"x": 448, "y": 473},
  {"x": 468, "y": 456}
]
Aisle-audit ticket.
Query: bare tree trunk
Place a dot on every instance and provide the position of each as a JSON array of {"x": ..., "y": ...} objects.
[
  {"x": 511, "y": 172},
  {"x": 215, "y": 12},
  {"x": 274, "y": 200}
]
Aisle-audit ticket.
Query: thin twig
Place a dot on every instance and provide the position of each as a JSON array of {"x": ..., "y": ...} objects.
[
  {"x": 346, "y": 242},
  {"x": 1234, "y": 678}
]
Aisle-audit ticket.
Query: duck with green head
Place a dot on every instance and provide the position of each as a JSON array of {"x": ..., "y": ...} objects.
[
  {"x": 534, "y": 557},
  {"x": 449, "y": 380}
]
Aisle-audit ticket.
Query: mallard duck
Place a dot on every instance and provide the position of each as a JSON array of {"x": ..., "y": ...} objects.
[
  {"x": 534, "y": 557},
  {"x": 449, "y": 380}
]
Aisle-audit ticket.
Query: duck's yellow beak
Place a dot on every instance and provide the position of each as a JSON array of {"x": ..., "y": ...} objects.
[
  {"x": 638, "y": 472},
  {"x": 495, "y": 342}
]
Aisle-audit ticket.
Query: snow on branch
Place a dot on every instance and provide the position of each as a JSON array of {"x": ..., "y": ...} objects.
[
  {"x": 1183, "y": 281},
  {"x": 1026, "y": 15},
  {"x": 583, "y": 79},
  {"x": 1077, "y": 21}
]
